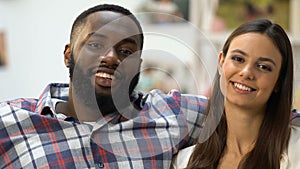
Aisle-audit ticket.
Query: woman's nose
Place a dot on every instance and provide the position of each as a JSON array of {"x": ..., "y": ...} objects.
[{"x": 247, "y": 72}]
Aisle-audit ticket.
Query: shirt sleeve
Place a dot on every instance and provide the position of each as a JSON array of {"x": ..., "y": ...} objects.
[
  {"x": 295, "y": 117},
  {"x": 193, "y": 108}
]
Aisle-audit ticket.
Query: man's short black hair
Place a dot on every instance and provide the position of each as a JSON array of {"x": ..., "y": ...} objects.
[{"x": 81, "y": 19}]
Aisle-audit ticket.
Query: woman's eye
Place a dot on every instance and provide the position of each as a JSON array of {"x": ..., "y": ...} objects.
[
  {"x": 237, "y": 59},
  {"x": 264, "y": 67}
]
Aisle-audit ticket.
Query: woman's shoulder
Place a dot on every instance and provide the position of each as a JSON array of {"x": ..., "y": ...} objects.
[
  {"x": 294, "y": 142},
  {"x": 182, "y": 158},
  {"x": 293, "y": 151},
  {"x": 295, "y": 133}
]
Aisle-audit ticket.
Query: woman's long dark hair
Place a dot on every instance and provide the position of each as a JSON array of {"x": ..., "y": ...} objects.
[{"x": 273, "y": 135}]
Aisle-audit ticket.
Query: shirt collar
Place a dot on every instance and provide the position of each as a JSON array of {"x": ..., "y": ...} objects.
[
  {"x": 52, "y": 94},
  {"x": 59, "y": 92}
]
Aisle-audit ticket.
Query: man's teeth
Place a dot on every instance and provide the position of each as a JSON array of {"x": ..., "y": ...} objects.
[
  {"x": 104, "y": 75},
  {"x": 242, "y": 87}
]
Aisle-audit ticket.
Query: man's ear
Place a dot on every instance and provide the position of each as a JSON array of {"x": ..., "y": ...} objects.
[
  {"x": 67, "y": 54},
  {"x": 141, "y": 61},
  {"x": 220, "y": 61}
]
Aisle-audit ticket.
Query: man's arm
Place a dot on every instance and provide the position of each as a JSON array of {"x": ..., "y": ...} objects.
[{"x": 295, "y": 117}]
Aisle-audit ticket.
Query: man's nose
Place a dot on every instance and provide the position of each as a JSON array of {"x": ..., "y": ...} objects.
[{"x": 110, "y": 58}]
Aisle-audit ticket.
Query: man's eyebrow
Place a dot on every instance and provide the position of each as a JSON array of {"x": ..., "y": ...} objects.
[
  {"x": 99, "y": 35},
  {"x": 129, "y": 40},
  {"x": 96, "y": 35}
]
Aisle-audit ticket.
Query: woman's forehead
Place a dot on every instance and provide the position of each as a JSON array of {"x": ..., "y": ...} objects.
[{"x": 255, "y": 43}]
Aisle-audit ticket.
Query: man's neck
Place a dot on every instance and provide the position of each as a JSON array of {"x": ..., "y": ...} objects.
[{"x": 64, "y": 108}]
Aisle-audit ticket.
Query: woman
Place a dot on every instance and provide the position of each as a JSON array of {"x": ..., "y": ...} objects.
[{"x": 254, "y": 86}]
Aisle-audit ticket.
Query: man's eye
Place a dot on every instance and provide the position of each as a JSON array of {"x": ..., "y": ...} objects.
[
  {"x": 237, "y": 59},
  {"x": 95, "y": 45},
  {"x": 125, "y": 52}
]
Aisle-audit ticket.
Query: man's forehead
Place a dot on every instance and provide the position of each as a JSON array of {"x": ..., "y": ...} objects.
[
  {"x": 108, "y": 21},
  {"x": 111, "y": 26}
]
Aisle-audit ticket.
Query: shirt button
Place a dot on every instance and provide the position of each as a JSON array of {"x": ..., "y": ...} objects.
[{"x": 100, "y": 165}]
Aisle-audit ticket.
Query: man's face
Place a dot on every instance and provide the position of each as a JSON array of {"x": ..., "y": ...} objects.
[{"x": 106, "y": 56}]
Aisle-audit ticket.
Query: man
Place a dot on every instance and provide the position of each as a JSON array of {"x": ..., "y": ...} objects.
[{"x": 99, "y": 121}]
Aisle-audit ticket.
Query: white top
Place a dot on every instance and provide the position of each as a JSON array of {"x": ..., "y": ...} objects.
[{"x": 290, "y": 158}]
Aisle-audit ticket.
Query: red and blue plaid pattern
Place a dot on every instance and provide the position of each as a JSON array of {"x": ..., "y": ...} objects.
[
  {"x": 31, "y": 138},
  {"x": 295, "y": 117}
]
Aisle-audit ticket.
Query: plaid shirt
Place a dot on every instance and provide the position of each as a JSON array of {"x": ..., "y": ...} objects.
[
  {"x": 295, "y": 117},
  {"x": 33, "y": 135}
]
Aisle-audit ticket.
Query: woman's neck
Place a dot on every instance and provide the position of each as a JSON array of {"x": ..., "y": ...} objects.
[
  {"x": 242, "y": 128},
  {"x": 242, "y": 131}
]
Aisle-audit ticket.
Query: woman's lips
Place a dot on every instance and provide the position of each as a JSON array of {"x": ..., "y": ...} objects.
[{"x": 242, "y": 87}]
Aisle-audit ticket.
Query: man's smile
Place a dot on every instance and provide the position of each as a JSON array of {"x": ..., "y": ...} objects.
[{"x": 104, "y": 79}]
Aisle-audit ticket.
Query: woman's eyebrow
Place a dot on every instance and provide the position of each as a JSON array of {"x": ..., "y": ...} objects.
[
  {"x": 239, "y": 51},
  {"x": 267, "y": 59}
]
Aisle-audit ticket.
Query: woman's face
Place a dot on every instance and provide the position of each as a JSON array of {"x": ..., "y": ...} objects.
[{"x": 250, "y": 70}]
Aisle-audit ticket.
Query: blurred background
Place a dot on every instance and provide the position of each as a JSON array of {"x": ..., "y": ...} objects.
[{"x": 182, "y": 40}]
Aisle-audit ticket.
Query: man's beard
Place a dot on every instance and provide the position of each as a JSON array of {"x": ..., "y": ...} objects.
[{"x": 85, "y": 91}]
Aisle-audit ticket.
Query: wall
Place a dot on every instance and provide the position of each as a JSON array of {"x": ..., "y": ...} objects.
[{"x": 36, "y": 32}]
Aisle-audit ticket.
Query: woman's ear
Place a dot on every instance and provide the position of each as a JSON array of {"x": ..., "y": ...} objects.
[
  {"x": 67, "y": 54},
  {"x": 220, "y": 61}
]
